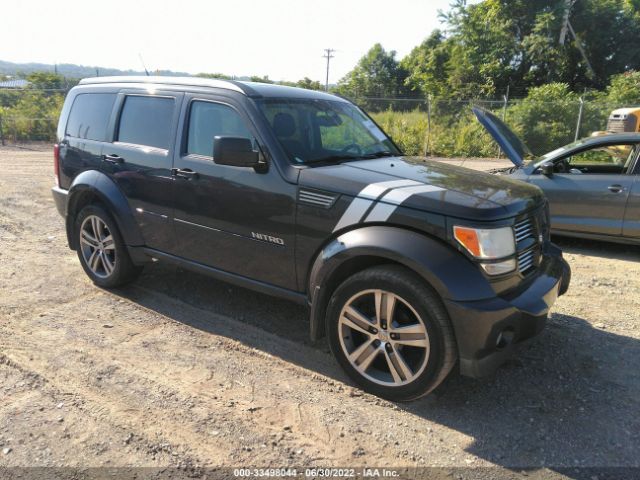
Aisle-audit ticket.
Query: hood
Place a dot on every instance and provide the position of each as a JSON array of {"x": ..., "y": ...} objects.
[
  {"x": 509, "y": 142},
  {"x": 427, "y": 185}
]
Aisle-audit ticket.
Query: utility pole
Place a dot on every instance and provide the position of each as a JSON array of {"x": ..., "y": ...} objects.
[
  {"x": 328, "y": 55},
  {"x": 565, "y": 21},
  {"x": 568, "y": 28},
  {"x": 579, "y": 124}
]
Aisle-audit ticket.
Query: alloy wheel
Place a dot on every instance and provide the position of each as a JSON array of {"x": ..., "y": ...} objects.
[
  {"x": 98, "y": 247},
  {"x": 383, "y": 337}
]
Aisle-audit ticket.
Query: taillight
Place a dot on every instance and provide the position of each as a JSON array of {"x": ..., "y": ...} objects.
[{"x": 56, "y": 163}]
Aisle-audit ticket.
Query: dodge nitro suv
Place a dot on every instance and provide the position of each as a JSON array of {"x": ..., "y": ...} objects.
[{"x": 407, "y": 266}]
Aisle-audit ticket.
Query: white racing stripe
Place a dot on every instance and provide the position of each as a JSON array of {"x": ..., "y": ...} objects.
[
  {"x": 366, "y": 197},
  {"x": 387, "y": 204}
]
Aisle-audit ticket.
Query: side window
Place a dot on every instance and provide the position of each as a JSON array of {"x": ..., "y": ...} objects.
[
  {"x": 207, "y": 120},
  {"x": 609, "y": 159},
  {"x": 89, "y": 116},
  {"x": 146, "y": 121}
]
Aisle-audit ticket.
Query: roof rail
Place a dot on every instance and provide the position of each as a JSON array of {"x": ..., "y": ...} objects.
[{"x": 166, "y": 80}]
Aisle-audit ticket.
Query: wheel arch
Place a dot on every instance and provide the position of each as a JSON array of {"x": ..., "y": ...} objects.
[
  {"x": 443, "y": 268},
  {"x": 91, "y": 187}
]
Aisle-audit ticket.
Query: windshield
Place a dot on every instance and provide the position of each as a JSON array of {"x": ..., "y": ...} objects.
[
  {"x": 312, "y": 130},
  {"x": 557, "y": 151}
]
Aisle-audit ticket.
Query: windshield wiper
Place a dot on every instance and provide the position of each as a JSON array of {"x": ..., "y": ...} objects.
[
  {"x": 333, "y": 158},
  {"x": 383, "y": 153},
  {"x": 341, "y": 157}
]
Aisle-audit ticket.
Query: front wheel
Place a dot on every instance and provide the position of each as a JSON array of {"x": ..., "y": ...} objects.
[
  {"x": 390, "y": 332},
  {"x": 101, "y": 251}
]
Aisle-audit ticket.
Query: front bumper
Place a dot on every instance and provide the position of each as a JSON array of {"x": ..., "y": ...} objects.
[{"x": 488, "y": 330}]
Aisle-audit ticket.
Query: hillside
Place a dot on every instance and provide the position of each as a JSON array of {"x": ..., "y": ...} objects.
[{"x": 71, "y": 70}]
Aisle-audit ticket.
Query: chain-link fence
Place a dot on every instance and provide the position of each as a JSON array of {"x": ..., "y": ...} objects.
[
  {"x": 29, "y": 114},
  {"x": 445, "y": 127},
  {"x": 420, "y": 126},
  {"x": 19, "y": 129}
]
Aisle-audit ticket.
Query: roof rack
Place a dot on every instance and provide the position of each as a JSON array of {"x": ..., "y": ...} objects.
[{"x": 165, "y": 80}]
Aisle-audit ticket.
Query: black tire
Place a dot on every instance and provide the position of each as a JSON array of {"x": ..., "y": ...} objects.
[
  {"x": 412, "y": 296},
  {"x": 122, "y": 269}
]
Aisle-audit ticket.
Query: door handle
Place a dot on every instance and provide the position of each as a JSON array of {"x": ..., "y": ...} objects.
[
  {"x": 113, "y": 158},
  {"x": 184, "y": 173},
  {"x": 615, "y": 188}
]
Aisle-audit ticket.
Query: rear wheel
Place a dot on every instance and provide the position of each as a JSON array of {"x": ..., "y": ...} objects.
[
  {"x": 390, "y": 332},
  {"x": 101, "y": 251}
]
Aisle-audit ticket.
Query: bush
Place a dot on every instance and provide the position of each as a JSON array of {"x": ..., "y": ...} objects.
[
  {"x": 546, "y": 118},
  {"x": 453, "y": 134},
  {"x": 408, "y": 129},
  {"x": 624, "y": 89},
  {"x": 31, "y": 115}
]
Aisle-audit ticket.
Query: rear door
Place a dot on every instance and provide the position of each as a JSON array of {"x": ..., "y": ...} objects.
[
  {"x": 588, "y": 191},
  {"x": 85, "y": 134},
  {"x": 231, "y": 218},
  {"x": 140, "y": 156}
]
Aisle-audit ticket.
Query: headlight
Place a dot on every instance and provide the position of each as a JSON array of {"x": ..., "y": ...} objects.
[{"x": 489, "y": 244}]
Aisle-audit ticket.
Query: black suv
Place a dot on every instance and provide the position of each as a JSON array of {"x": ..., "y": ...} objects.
[{"x": 407, "y": 266}]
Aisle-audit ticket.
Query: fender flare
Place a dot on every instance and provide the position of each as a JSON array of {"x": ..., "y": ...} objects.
[
  {"x": 449, "y": 272},
  {"x": 99, "y": 185}
]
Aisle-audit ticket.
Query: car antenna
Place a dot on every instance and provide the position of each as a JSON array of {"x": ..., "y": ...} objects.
[{"x": 143, "y": 65}]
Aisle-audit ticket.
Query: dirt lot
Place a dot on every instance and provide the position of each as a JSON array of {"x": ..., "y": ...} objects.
[{"x": 179, "y": 370}]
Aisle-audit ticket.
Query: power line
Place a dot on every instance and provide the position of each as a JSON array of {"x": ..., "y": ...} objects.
[{"x": 328, "y": 55}]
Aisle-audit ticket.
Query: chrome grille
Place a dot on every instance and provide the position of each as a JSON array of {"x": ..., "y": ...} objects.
[
  {"x": 526, "y": 260},
  {"x": 616, "y": 126},
  {"x": 316, "y": 198},
  {"x": 523, "y": 229},
  {"x": 526, "y": 233}
]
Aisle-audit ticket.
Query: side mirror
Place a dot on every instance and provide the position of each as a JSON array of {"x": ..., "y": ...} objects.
[
  {"x": 234, "y": 151},
  {"x": 547, "y": 169}
]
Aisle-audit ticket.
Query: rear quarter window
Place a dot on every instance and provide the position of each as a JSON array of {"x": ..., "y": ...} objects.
[
  {"x": 89, "y": 116},
  {"x": 146, "y": 121}
]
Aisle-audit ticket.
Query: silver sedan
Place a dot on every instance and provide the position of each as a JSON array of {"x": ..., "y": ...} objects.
[{"x": 593, "y": 185}]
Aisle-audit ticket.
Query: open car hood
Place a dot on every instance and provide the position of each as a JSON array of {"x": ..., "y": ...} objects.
[{"x": 509, "y": 142}]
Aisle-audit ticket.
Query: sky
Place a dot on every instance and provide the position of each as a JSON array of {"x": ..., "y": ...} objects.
[{"x": 284, "y": 39}]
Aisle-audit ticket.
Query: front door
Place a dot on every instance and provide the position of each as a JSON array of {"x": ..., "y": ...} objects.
[
  {"x": 234, "y": 219},
  {"x": 631, "y": 226},
  {"x": 588, "y": 191}
]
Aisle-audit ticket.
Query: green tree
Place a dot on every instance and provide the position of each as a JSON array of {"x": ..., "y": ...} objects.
[
  {"x": 483, "y": 46},
  {"x": 309, "y": 84},
  {"x": 46, "y": 81},
  {"x": 377, "y": 74},
  {"x": 624, "y": 89},
  {"x": 546, "y": 118},
  {"x": 220, "y": 76},
  {"x": 427, "y": 66},
  {"x": 263, "y": 79},
  {"x": 498, "y": 43}
]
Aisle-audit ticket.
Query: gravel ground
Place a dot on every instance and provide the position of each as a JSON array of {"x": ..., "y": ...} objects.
[{"x": 182, "y": 371}]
